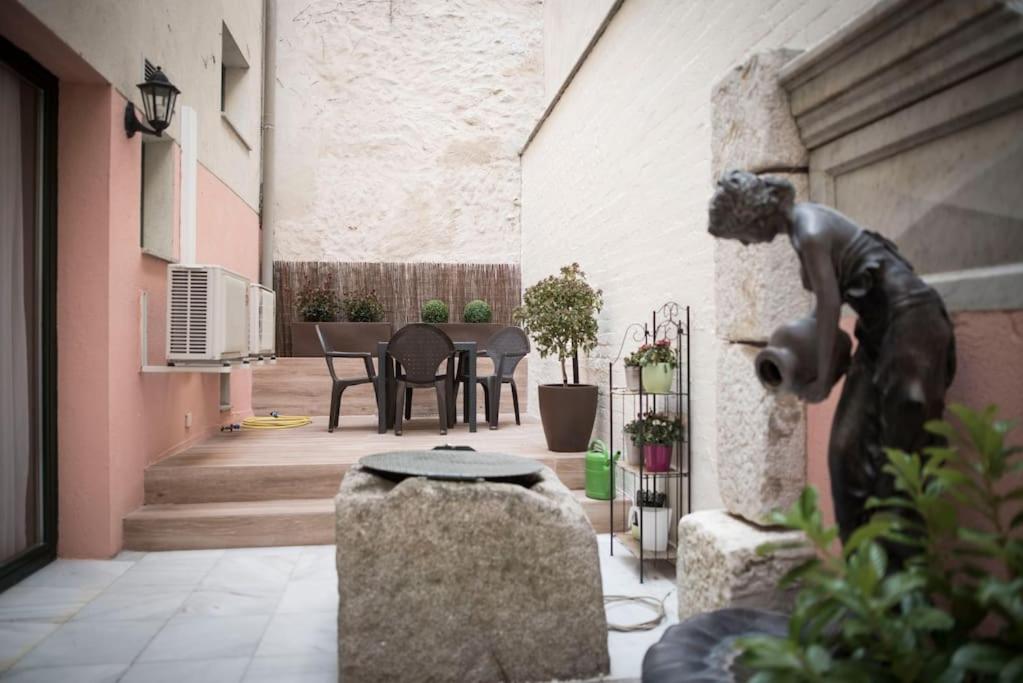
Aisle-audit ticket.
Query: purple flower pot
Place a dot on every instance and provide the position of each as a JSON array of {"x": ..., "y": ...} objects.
[{"x": 656, "y": 457}]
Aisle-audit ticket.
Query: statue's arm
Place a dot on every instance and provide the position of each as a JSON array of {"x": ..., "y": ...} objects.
[{"x": 820, "y": 270}]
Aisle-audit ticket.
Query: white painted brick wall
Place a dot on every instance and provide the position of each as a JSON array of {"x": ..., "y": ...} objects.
[
  {"x": 398, "y": 127},
  {"x": 619, "y": 176}
]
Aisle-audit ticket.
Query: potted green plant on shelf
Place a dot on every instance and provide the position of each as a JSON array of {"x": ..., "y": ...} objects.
[
  {"x": 652, "y": 507},
  {"x": 434, "y": 311},
  {"x": 633, "y": 363},
  {"x": 362, "y": 307},
  {"x": 477, "y": 312},
  {"x": 660, "y": 433},
  {"x": 658, "y": 362},
  {"x": 560, "y": 313},
  {"x": 634, "y": 441}
]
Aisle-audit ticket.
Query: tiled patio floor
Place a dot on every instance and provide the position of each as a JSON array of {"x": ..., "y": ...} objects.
[{"x": 252, "y": 614}]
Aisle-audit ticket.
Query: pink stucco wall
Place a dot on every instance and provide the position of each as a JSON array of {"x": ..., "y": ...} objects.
[
  {"x": 990, "y": 370},
  {"x": 114, "y": 420}
]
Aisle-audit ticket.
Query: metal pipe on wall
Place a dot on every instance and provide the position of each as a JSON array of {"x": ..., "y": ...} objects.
[{"x": 267, "y": 211}]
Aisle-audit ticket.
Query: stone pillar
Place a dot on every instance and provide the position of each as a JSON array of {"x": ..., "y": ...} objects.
[{"x": 761, "y": 437}]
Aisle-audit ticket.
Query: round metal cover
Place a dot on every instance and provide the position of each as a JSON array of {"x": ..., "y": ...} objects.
[{"x": 452, "y": 465}]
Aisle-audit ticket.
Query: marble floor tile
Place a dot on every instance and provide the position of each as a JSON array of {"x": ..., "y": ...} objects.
[
  {"x": 250, "y": 568},
  {"x": 98, "y": 642},
  {"x": 297, "y": 635},
  {"x": 306, "y": 669},
  {"x": 95, "y": 673},
  {"x": 131, "y": 602},
  {"x": 77, "y": 574},
  {"x": 244, "y": 599},
  {"x": 203, "y": 637},
  {"x": 316, "y": 566},
  {"x": 309, "y": 596},
  {"x": 191, "y": 671},
  {"x": 18, "y": 637},
  {"x": 164, "y": 572},
  {"x": 43, "y": 603}
]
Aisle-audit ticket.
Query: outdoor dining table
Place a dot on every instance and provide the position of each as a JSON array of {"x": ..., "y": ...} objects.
[{"x": 385, "y": 374}]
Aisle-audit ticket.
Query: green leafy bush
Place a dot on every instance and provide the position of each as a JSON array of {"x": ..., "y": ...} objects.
[
  {"x": 318, "y": 304},
  {"x": 654, "y": 428},
  {"x": 560, "y": 312},
  {"x": 633, "y": 360},
  {"x": 362, "y": 307},
  {"x": 435, "y": 311},
  {"x": 952, "y": 612},
  {"x": 477, "y": 311},
  {"x": 658, "y": 352}
]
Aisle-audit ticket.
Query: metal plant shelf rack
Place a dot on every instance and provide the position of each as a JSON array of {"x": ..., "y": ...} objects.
[{"x": 670, "y": 321}]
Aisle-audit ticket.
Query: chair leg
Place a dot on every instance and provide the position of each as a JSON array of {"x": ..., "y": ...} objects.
[
  {"x": 442, "y": 404},
  {"x": 400, "y": 408},
  {"x": 515, "y": 401},
  {"x": 486, "y": 399},
  {"x": 408, "y": 403},
  {"x": 335, "y": 407},
  {"x": 495, "y": 402}
]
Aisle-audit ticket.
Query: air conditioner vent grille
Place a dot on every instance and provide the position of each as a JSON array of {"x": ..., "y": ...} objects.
[{"x": 189, "y": 302}]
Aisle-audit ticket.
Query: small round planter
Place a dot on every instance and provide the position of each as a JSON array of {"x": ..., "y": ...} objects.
[
  {"x": 657, "y": 378},
  {"x": 633, "y": 377},
  {"x": 656, "y": 457},
  {"x": 633, "y": 452}
]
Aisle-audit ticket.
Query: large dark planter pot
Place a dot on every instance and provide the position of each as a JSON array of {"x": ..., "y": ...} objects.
[
  {"x": 567, "y": 412},
  {"x": 342, "y": 337},
  {"x": 477, "y": 332}
]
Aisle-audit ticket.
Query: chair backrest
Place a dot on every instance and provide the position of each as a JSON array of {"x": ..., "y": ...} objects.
[
  {"x": 325, "y": 345},
  {"x": 420, "y": 348},
  {"x": 506, "y": 348}
]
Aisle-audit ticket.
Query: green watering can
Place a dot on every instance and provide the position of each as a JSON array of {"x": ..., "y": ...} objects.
[{"x": 598, "y": 470}]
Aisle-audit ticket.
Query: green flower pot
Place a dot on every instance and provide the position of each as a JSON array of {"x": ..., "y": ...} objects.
[{"x": 657, "y": 378}]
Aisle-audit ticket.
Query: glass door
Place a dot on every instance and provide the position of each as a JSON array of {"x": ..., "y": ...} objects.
[{"x": 28, "y": 503}]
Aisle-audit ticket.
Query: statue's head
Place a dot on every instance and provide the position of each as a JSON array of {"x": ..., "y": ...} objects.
[{"x": 750, "y": 208}]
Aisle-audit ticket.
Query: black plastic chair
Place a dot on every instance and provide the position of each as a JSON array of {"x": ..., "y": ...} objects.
[
  {"x": 420, "y": 349},
  {"x": 505, "y": 348},
  {"x": 339, "y": 384}
]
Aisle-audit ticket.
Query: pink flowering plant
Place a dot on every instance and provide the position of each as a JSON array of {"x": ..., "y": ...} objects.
[{"x": 658, "y": 352}]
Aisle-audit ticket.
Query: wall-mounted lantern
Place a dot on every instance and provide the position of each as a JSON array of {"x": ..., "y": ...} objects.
[{"x": 158, "y": 98}]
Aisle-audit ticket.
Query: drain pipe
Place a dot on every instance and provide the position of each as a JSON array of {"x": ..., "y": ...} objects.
[{"x": 267, "y": 205}]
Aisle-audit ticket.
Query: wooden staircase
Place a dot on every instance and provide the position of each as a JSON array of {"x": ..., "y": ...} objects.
[{"x": 266, "y": 488}]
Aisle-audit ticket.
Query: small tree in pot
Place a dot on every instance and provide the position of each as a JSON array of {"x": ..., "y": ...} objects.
[{"x": 560, "y": 313}]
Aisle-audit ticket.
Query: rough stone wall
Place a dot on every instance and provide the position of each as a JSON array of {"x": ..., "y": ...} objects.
[
  {"x": 398, "y": 127},
  {"x": 619, "y": 176}
]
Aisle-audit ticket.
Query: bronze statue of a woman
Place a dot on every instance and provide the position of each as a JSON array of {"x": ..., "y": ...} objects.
[{"x": 905, "y": 357}]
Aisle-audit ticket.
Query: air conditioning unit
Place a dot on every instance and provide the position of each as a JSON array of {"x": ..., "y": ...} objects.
[
  {"x": 261, "y": 320},
  {"x": 207, "y": 314}
]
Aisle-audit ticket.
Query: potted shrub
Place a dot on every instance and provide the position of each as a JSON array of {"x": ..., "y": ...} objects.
[
  {"x": 477, "y": 311},
  {"x": 658, "y": 362},
  {"x": 560, "y": 313},
  {"x": 361, "y": 329},
  {"x": 633, "y": 362},
  {"x": 434, "y": 311},
  {"x": 656, "y": 519},
  {"x": 660, "y": 432},
  {"x": 634, "y": 441}
]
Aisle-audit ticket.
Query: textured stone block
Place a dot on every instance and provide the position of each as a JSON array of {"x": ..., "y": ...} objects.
[
  {"x": 753, "y": 127},
  {"x": 757, "y": 288},
  {"x": 761, "y": 439},
  {"x": 449, "y": 581},
  {"x": 718, "y": 565}
]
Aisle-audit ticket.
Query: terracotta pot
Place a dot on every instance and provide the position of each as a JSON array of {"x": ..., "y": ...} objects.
[
  {"x": 633, "y": 378},
  {"x": 657, "y": 378},
  {"x": 342, "y": 336},
  {"x": 656, "y": 457},
  {"x": 567, "y": 412}
]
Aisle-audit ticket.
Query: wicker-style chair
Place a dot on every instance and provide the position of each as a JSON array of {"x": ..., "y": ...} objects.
[
  {"x": 339, "y": 384},
  {"x": 505, "y": 348},
  {"x": 420, "y": 349}
]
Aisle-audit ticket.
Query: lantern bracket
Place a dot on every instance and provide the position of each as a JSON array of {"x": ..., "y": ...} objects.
[{"x": 132, "y": 124}]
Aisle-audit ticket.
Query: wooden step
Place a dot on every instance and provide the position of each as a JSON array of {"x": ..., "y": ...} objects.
[
  {"x": 294, "y": 476},
  {"x": 270, "y": 523}
]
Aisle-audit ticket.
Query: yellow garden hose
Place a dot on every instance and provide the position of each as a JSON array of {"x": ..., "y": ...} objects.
[{"x": 276, "y": 422}]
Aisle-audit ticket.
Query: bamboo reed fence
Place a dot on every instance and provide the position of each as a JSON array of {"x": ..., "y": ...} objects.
[{"x": 401, "y": 287}]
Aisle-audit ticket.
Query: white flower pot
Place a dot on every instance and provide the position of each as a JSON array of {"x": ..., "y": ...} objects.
[
  {"x": 633, "y": 377},
  {"x": 633, "y": 452},
  {"x": 656, "y": 523}
]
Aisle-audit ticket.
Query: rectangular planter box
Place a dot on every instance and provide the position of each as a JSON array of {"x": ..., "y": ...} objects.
[{"x": 342, "y": 337}]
